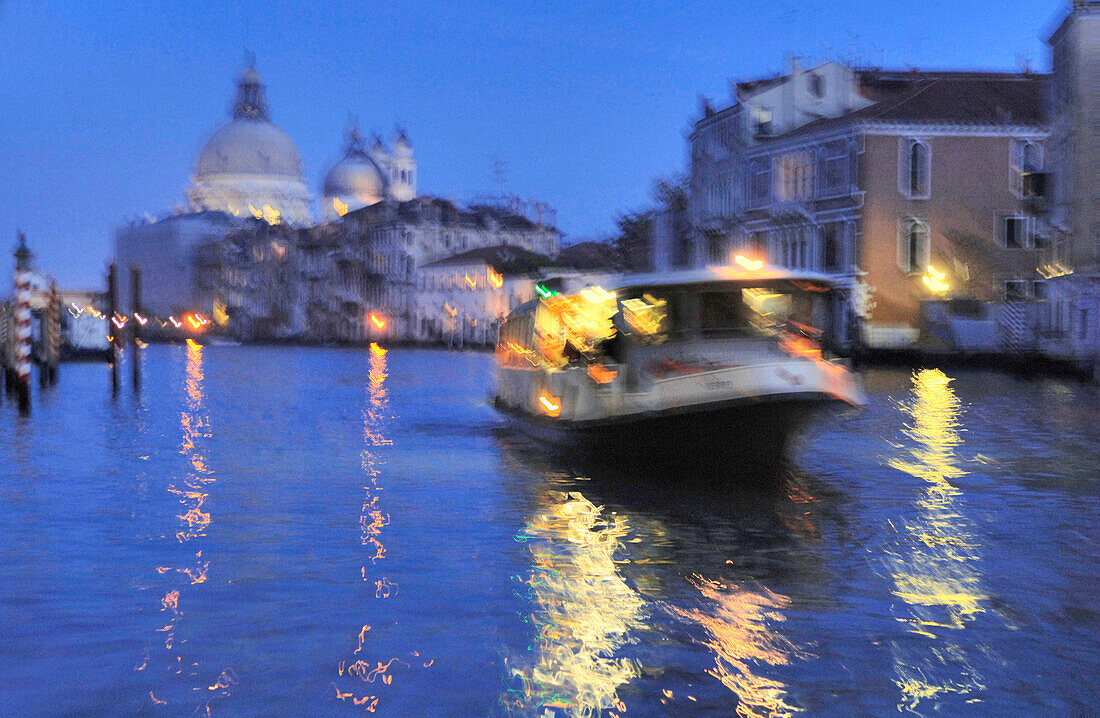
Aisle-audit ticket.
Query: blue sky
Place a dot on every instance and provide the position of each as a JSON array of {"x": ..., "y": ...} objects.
[{"x": 104, "y": 106}]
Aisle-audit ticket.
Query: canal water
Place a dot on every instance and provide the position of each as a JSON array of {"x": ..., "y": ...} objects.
[{"x": 295, "y": 531}]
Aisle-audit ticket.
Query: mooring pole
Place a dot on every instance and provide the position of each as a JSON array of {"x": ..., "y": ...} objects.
[
  {"x": 113, "y": 326},
  {"x": 23, "y": 325},
  {"x": 53, "y": 348},
  {"x": 135, "y": 335}
]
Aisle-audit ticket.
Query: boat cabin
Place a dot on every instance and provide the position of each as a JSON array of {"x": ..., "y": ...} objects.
[{"x": 673, "y": 321}]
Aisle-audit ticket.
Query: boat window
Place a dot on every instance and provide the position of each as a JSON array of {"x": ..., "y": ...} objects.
[
  {"x": 772, "y": 310},
  {"x": 647, "y": 317},
  {"x": 723, "y": 314}
]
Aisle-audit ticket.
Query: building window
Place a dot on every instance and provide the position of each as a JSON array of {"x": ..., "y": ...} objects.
[
  {"x": 1016, "y": 290},
  {"x": 830, "y": 247},
  {"x": 1027, "y": 159},
  {"x": 1014, "y": 232},
  {"x": 836, "y": 172},
  {"x": 915, "y": 177},
  {"x": 1039, "y": 289},
  {"x": 762, "y": 121},
  {"x": 914, "y": 247},
  {"x": 794, "y": 176},
  {"x": 817, "y": 85},
  {"x": 761, "y": 183}
]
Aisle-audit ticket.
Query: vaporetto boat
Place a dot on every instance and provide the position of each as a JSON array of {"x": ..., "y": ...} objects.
[{"x": 722, "y": 366}]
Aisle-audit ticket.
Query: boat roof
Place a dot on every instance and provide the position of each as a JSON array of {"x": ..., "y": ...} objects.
[{"x": 716, "y": 275}]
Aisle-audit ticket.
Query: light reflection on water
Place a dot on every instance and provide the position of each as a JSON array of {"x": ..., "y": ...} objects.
[
  {"x": 581, "y": 612},
  {"x": 922, "y": 557},
  {"x": 935, "y": 562},
  {"x": 740, "y": 627},
  {"x": 192, "y": 493}
]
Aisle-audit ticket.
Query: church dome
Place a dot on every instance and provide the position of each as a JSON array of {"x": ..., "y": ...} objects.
[
  {"x": 354, "y": 182},
  {"x": 250, "y": 165},
  {"x": 250, "y": 146}
]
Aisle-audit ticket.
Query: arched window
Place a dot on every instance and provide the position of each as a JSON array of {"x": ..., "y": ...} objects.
[
  {"x": 817, "y": 85},
  {"x": 914, "y": 245},
  {"x": 919, "y": 169}
]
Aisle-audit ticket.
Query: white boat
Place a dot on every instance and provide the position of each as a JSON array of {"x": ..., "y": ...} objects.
[{"x": 721, "y": 365}]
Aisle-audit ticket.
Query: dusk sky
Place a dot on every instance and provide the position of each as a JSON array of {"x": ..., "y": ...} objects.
[{"x": 105, "y": 106}]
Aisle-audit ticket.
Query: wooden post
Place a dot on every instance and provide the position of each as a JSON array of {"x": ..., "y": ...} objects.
[
  {"x": 23, "y": 326},
  {"x": 53, "y": 347},
  {"x": 135, "y": 335},
  {"x": 115, "y": 335}
]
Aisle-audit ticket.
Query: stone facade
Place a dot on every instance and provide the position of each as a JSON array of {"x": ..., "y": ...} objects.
[{"x": 875, "y": 177}]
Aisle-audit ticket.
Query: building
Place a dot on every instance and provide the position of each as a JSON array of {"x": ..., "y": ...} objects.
[
  {"x": 165, "y": 250},
  {"x": 362, "y": 178},
  {"x": 247, "y": 282},
  {"x": 1074, "y": 109},
  {"x": 1069, "y": 325},
  {"x": 401, "y": 237},
  {"x": 249, "y": 170},
  {"x": 893, "y": 181},
  {"x": 250, "y": 166}
]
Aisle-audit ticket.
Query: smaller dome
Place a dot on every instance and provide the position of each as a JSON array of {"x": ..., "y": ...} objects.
[{"x": 355, "y": 181}]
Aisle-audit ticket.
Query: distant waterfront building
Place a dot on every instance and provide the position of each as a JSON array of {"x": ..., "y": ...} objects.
[
  {"x": 165, "y": 250},
  {"x": 879, "y": 178},
  {"x": 357, "y": 279},
  {"x": 250, "y": 166}
]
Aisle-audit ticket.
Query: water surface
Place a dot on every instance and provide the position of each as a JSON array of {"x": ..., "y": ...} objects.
[{"x": 331, "y": 532}]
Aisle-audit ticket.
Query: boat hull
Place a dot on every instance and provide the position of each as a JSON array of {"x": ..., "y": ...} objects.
[{"x": 742, "y": 436}]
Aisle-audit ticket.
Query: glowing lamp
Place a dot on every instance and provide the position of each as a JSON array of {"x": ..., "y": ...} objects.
[
  {"x": 378, "y": 321},
  {"x": 935, "y": 280},
  {"x": 749, "y": 264},
  {"x": 495, "y": 278},
  {"x": 597, "y": 295},
  {"x": 550, "y": 404}
]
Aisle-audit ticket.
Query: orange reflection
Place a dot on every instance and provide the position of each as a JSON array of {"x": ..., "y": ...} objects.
[
  {"x": 934, "y": 563},
  {"x": 740, "y": 633},
  {"x": 372, "y": 520},
  {"x": 193, "y": 519}
]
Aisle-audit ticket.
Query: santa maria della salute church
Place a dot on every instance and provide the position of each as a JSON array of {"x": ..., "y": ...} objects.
[
  {"x": 256, "y": 252},
  {"x": 250, "y": 164}
]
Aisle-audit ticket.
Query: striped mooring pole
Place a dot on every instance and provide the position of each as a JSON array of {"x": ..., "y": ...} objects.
[
  {"x": 23, "y": 325},
  {"x": 53, "y": 335}
]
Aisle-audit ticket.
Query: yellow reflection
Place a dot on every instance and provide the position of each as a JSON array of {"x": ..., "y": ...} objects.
[
  {"x": 934, "y": 568},
  {"x": 583, "y": 612},
  {"x": 340, "y": 207},
  {"x": 740, "y": 633}
]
